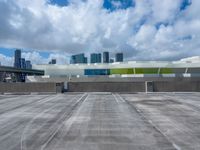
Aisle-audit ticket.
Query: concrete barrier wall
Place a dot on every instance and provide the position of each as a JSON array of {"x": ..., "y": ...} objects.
[
  {"x": 30, "y": 87},
  {"x": 108, "y": 79},
  {"x": 106, "y": 87},
  {"x": 155, "y": 86},
  {"x": 179, "y": 85},
  {"x": 176, "y": 86}
]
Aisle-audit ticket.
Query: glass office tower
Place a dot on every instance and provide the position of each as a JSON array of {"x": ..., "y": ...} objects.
[
  {"x": 95, "y": 58},
  {"x": 106, "y": 57},
  {"x": 79, "y": 58},
  {"x": 17, "y": 63},
  {"x": 119, "y": 57}
]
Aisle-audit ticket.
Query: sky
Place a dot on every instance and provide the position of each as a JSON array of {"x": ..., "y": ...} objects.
[{"x": 141, "y": 29}]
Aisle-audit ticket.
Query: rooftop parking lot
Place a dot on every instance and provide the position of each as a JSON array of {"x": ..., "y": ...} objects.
[{"x": 100, "y": 121}]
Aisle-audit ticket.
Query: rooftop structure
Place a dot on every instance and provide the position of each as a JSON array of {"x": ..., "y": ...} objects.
[{"x": 123, "y": 68}]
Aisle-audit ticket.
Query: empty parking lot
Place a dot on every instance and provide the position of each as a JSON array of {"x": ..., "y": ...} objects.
[{"x": 100, "y": 121}]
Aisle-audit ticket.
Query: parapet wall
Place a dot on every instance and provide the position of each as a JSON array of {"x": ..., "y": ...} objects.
[
  {"x": 31, "y": 87},
  {"x": 168, "y": 85},
  {"x": 151, "y": 86},
  {"x": 108, "y": 79},
  {"x": 106, "y": 87},
  {"x": 176, "y": 86}
]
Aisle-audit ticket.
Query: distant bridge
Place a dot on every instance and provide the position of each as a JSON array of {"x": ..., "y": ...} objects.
[{"x": 19, "y": 70}]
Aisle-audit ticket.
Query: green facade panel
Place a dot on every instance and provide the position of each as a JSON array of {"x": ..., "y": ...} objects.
[
  {"x": 122, "y": 71},
  {"x": 166, "y": 71},
  {"x": 146, "y": 70},
  {"x": 141, "y": 71}
]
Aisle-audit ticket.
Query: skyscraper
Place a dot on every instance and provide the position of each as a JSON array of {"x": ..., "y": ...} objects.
[
  {"x": 105, "y": 57},
  {"x": 17, "y": 63},
  {"x": 119, "y": 57},
  {"x": 28, "y": 64},
  {"x": 99, "y": 58},
  {"x": 85, "y": 60},
  {"x": 95, "y": 58},
  {"x": 23, "y": 63},
  {"x": 79, "y": 58}
]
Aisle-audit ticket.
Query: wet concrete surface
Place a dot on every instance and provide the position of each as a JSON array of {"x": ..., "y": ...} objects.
[{"x": 100, "y": 121}]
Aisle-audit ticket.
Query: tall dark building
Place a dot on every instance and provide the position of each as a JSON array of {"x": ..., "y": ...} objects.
[
  {"x": 79, "y": 58},
  {"x": 17, "y": 63},
  {"x": 119, "y": 57},
  {"x": 99, "y": 58},
  {"x": 23, "y": 63},
  {"x": 95, "y": 58},
  {"x": 105, "y": 57},
  {"x": 28, "y": 64},
  {"x": 85, "y": 60}
]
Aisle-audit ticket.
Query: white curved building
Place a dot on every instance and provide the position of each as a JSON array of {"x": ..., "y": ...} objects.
[{"x": 185, "y": 67}]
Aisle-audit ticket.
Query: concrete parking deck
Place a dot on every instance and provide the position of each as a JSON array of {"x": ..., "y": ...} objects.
[{"x": 100, "y": 121}]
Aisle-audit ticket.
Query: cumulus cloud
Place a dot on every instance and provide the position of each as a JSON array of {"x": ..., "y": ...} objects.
[
  {"x": 37, "y": 58},
  {"x": 149, "y": 29},
  {"x": 5, "y": 60}
]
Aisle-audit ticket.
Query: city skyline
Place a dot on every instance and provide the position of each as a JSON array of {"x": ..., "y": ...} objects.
[
  {"x": 53, "y": 58},
  {"x": 141, "y": 29}
]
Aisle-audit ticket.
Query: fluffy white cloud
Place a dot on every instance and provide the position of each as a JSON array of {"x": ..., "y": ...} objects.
[
  {"x": 36, "y": 58},
  {"x": 5, "y": 60},
  {"x": 151, "y": 29},
  {"x": 61, "y": 58},
  {"x": 165, "y": 10}
]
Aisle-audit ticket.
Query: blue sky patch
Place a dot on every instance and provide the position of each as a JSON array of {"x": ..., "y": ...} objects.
[
  {"x": 185, "y": 4},
  {"x": 118, "y": 4},
  {"x": 10, "y": 52},
  {"x": 7, "y": 52},
  {"x": 59, "y": 2},
  {"x": 44, "y": 54},
  {"x": 161, "y": 23}
]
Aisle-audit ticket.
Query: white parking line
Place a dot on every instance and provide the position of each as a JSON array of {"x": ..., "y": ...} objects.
[
  {"x": 70, "y": 123},
  {"x": 23, "y": 138}
]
